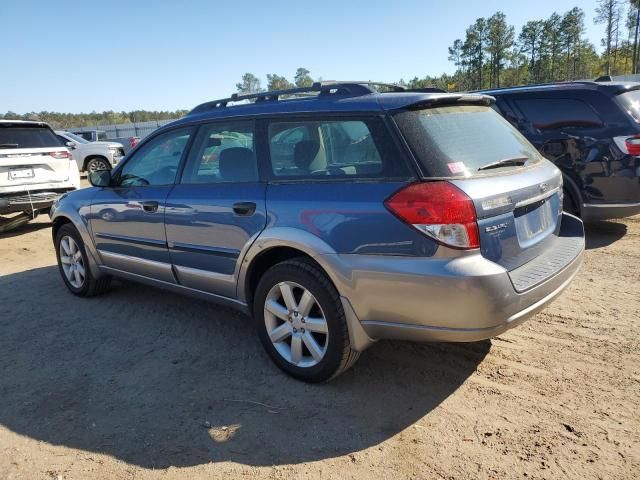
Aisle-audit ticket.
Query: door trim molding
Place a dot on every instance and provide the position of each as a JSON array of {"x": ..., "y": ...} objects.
[
  {"x": 136, "y": 240},
  {"x": 219, "y": 251}
]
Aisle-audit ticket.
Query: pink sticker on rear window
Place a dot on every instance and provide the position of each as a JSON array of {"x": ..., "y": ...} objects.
[{"x": 457, "y": 167}]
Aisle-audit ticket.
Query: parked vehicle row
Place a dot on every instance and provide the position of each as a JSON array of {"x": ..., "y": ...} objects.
[
  {"x": 335, "y": 219},
  {"x": 591, "y": 132},
  {"x": 91, "y": 156},
  {"x": 35, "y": 169}
]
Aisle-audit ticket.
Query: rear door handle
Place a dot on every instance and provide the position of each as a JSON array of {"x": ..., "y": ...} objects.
[
  {"x": 150, "y": 207},
  {"x": 244, "y": 209}
]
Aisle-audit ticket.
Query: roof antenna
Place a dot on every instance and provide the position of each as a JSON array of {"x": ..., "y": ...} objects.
[{"x": 604, "y": 78}]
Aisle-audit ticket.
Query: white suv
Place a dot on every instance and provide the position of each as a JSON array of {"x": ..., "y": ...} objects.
[
  {"x": 35, "y": 169},
  {"x": 91, "y": 156}
]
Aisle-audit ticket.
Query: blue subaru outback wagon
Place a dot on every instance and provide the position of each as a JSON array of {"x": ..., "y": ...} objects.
[{"x": 335, "y": 215}]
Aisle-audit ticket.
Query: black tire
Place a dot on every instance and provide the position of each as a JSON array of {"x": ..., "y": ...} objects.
[
  {"x": 339, "y": 355},
  {"x": 103, "y": 162},
  {"x": 91, "y": 286}
]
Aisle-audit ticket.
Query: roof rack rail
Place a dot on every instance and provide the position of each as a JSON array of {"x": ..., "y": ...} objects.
[{"x": 350, "y": 88}]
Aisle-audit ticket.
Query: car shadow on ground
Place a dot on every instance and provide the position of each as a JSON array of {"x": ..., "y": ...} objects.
[
  {"x": 158, "y": 380},
  {"x": 603, "y": 233}
]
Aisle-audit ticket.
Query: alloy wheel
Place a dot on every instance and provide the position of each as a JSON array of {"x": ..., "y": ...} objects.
[
  {"x": 96, "y": 165},
  {"x": 296, "y": 324},
  {"x": 72, "y": 261}
]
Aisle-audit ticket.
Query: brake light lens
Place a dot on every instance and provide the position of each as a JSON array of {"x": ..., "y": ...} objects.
[
  {"x": 633, "y": 145},
  {"x": 64, "y": 154},
  {"x": 440, "y": 210},
  {"x": 629, "y": 145}
]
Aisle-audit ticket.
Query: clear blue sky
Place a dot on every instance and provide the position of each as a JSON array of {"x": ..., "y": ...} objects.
[{"x": 79, "y": 56}]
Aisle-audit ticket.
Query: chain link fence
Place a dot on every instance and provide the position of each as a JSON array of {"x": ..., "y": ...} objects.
[{"x": 123, "y": 132}]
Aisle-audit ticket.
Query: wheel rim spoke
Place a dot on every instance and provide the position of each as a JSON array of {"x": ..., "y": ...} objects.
[
  {"x": 287, "y": 296},
  {"x": 317, "y": 325},
  {"x": 312, "y": 345},
  {"x": 306, "y": 303},
  {"x": 296, "y": 349},
  {"x": 80, "y": 269},
  {"x": 280, "y": 333},
  {"x": 276, "y": 309},
  {"x": 65, "y": 259},
  {"x": 65, "y": 246}
]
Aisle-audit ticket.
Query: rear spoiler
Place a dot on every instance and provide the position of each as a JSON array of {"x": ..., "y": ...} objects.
[{"x": 453, "y": 99}]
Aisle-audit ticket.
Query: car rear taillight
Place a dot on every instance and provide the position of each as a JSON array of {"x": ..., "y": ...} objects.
[
  {"x": 59, "y": 154},
  {"x": 440, "y": 210},
  {"x": 633, "y": 145},
  {"x": 629, "y": 145}
]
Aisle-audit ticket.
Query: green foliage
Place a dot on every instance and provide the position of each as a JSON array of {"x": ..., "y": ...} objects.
[
  {"x": 302, "y": 78},
  {"x": 249, "y": 84},
  {"x": 545, "y": 50},
  {"x": 277, "y": 82}
]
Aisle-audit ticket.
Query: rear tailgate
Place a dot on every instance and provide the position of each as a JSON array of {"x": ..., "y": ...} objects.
[
  {"x": 516, "y": 193},
  {"x": 33, "y": 167},
  {"x": 31, "y": 157},
  {"x": 519, "y": 214}
]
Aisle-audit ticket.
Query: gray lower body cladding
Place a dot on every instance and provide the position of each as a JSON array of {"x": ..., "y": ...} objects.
[{"x": 428, "y": 299}]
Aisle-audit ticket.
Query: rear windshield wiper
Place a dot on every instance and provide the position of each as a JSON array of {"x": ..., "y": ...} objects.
[
  {"x": 505, "y": 162},
  {"x": 8, "y": 145}
]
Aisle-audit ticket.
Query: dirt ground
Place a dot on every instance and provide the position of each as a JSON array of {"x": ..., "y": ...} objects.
[{"x": 143, "y": 384}]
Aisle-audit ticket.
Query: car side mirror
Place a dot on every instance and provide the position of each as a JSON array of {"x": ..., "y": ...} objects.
[
  {"x": 100, "y": 178},
  {"x": 71, "y": 145}
]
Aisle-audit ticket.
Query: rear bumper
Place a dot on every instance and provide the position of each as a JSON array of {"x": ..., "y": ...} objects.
[
  {"x": 458, "y": 300},
  {"x": 593, "y": 212},
  {"x": 28, "y": 202}
]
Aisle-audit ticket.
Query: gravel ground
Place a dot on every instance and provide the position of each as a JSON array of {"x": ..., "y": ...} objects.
[{"x": 145, "y": 384}]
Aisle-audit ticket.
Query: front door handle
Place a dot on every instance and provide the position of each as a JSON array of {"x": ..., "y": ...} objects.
[
  {"x": 150, "y": 207},
  {"x": 244, "y": 209}
]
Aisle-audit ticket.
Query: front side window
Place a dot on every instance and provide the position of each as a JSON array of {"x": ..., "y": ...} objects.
[
  {"x": 156, "y": 163},
  {"x": 222, "y": 153},
  {"x": 337, "y": 148}
]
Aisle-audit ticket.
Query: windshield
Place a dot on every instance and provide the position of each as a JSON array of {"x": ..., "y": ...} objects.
[
  {"x": 74, "y": 137},
  {"x": 16, "y": 135},
  {"x": 458, "y": 140}
]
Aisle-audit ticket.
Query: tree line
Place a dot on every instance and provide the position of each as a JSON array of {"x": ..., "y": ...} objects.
[
  {"x": 492, "y": 54},
  {"x": 59, "y": 120}
]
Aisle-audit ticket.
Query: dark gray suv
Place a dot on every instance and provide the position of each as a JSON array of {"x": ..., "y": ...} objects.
[{"x": 335, "y": 215}]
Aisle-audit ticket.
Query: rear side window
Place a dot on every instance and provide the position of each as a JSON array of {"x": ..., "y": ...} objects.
[
  {"x": 455, "y": 141},
  {"x": 14, "y": 135},
  {"x": 333, "y": 148},
  {"x": 550, "y": 114}
]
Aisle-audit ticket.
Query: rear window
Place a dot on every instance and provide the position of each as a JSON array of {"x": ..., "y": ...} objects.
[
  {"x": 550, "y": 114},
  {"x": 630, "y": 101},
  {"x": 455, "y": 141},
  {"x": 27, "y": 136}
]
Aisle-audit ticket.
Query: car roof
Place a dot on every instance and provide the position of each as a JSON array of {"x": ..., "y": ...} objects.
[
  {"x": 26, "y": 122},
  {"x": 614, "y": 88},
  {"x": 330, "y": 97}
]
